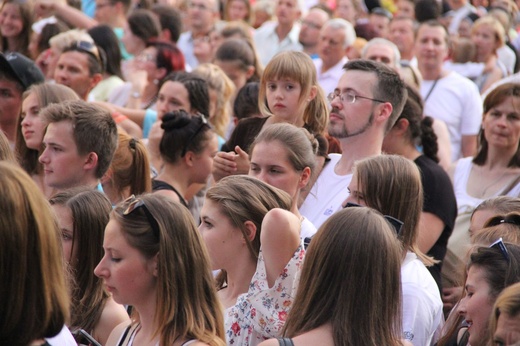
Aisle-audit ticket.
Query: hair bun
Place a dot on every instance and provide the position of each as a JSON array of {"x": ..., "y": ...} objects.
[{"x": 176, "y": 120}]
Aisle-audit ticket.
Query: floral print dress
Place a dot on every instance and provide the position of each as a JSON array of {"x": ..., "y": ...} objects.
[{"x": 260, "y": 313}]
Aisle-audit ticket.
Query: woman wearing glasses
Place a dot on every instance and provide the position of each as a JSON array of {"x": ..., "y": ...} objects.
[
  {"x": 187, "y": 149},
  {"x": 339, "y": 301},
  {"x": 392, "y": 185},
  {"x": 156, "y": 262}
]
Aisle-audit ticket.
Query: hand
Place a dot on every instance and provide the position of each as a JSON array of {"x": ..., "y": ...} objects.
[
  {"x": 44, "y": 8},
  {"x": 450, "y": 297},
  {"x": 242, "y": 161},
  {"x": 154, "y": 139},
  {"x": 224, "y": 165},
  {"x": 138, "y": 79}
]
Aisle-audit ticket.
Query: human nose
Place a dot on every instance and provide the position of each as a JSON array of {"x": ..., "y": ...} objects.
[
  {"x": 25, "y": 121},
  {"x": 461, "y": 308},
  {"x": 100, "y": 270},
  {"x": 44, "y": 156}
]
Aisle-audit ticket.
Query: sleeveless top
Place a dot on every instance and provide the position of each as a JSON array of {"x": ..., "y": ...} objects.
[
  {"x": 133, "y": 329},
  {"x": 158, "y": 185},
  {"x": 285, "y": 342}
]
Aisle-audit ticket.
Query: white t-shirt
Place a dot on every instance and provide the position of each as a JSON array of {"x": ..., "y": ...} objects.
[
  {"x": 422, "y": 305},
  {"x": 327, "y": 194},
  {"x": 307, "y": 229},
  {"x": 268, "y": 44},
  {"x": 456, "y": 101},
  {"x": 329, "y": 79},
  {"x": 64, "y": 338}
]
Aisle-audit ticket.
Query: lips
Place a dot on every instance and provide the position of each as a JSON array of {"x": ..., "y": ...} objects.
[{"x": 279, "y": 105}]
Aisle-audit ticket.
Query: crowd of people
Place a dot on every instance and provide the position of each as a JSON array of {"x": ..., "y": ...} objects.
[{"x": 267, "y": 172}]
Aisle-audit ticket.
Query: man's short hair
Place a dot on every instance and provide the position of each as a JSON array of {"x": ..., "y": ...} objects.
[
  {"x": 384, "y": 42},
  {"x": 94, "y": 130},
  {"x": 96, "y": 56},
  {"x": 435, "y": 24},
  {"x": 348, "y": 29},
  {"x": 388, "y": 87}
]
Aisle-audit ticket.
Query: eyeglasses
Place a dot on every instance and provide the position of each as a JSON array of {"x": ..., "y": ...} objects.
[
  {"x": 203, "y": 123},
  {"x": 89, "y": 48},
  {"x": 396, "y": 224},
  {"x": 136, "y": 203},
  {"x": 349, "y": 97},
  {"x": 145, "y": 57},
  {"x": 499, "y": 244},
  {"x": 311, "y": 25}
]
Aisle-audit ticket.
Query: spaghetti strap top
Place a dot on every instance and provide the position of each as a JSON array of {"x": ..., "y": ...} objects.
[
  {"x": 131, "y": 331},
  {"x": 158, "y": 185}
]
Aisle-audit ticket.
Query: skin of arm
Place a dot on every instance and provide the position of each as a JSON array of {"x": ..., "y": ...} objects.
[
  {"x": 280, "y": 237},
  {"x": 430, "y": 230},
  {"x": 469, "y": 145},
  {"x": 65, "y": 12}
]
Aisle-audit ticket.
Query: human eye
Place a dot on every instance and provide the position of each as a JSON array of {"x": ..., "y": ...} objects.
[
  {"x": 271, "y": 86},
  {"x": 254, "y": 168},
  {"x": 160, "y": 98},
  {"x": 289, "y": 87},
  {"x": 498, "y": 343},
  {"x": 115, "y": 259},
  {"x": 513, "y": 116},
  {"x": 66, "y": 236},
  {"x": 5, "y": 93},
  {"x": 495, "y": 113}
]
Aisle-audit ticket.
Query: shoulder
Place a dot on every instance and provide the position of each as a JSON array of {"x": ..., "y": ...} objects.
[
  {"x": 270, "y": 342},
  {"x": 117, "y": 332}
]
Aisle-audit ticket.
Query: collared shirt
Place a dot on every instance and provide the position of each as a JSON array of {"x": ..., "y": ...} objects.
[
  {"x": 185, "y": 44},
  {"x": 268, "y": 44},
  {"x": 329, "y": 79}
]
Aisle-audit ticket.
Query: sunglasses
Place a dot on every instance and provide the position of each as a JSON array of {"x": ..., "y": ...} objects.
[
  {"x": 89, "y": 48},
  {"x": 135, "y": 204},
  {"x": 203, "y": 123},
  {"x": 395, "y": 223},
  {"x": 499, "y": 244}
]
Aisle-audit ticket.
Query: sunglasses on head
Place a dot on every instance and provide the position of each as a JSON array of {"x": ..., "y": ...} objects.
[
  {"x": 89, "y": 48},
  {"x": 134, "y": 204},
  {"x": 499, "y": 244}
]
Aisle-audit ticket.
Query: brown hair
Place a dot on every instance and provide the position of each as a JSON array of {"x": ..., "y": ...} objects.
[
  {"x": 335, "y": 279},
  {"x": 33, "y": 293}
]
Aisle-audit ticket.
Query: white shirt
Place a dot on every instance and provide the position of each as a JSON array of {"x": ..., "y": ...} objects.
[
  {"x": 327, "y": 194},
  {"x": 268, "y": 44},
  {"x": 329, "y": 79},
  {"x": 185, "y": 44},
  {"x": 456, "y": 101}
]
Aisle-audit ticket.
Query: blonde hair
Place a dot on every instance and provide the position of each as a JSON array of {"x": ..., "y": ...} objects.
[
  {"x": 298, "y": 67},
  {"x": 508, "y": 302},
  {"x": 223, "y": 86},
  {"x": 68, "y": 38},
  {"x": 497, "y": 28}
]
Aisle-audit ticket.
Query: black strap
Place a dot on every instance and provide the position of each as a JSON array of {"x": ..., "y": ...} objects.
[
  {"x": 431, "y": 90},
  {"x": 285, "y": 342}
]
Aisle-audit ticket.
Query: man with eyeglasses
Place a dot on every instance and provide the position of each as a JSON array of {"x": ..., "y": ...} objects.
[
  {"x": 310, "y": 30},
  {"x": 366, "y": 103},
  {"x": 203, "y": 14},
  {"x": 336, "y": 38}
]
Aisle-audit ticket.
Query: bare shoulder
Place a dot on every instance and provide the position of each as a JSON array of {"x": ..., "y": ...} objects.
[
  {"x": 407, "y": 343},
  {"x": 116, "y": 333},
  {"x": 270, "y": 342},
  {"x": 112, "y": 316}
]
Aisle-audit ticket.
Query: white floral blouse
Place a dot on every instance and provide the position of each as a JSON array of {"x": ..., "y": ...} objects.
[{"x": 260, "y": 313}]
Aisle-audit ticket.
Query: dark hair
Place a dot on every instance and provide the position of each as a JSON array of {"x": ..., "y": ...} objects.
[
  {"x": 104, "y": 37},
  {"x": 493, "y": 99},
  {"x": 499, "y": 271},
  {"x": 170, "y": 19},
  {"x": 182, "y": 132},
  {"x": 420, "y": 129},
  {"x": 144, "y": 24},
  {"x": 388, "y": 87},
  {"x": 240, "y": 52},
  {"x": 246, "y": 101},
  {"x": 169, "y": 56},
  {"x": 198, "y": 93},
  {"x": 48, "y": 31},
  {"x": 90, "y": 210},
  {"x": 426, "y": 10}
]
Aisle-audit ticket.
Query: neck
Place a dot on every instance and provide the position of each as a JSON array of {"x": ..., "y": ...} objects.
[
  {"x": 86, "y": 181},
  {"x": 328, "y": 65},
  {"x": 239, "y": 276},
  {"x": 432, "y": 73},
  {"x": 357, "y": 148},
  {"x": 498, "y": 158},
  {"x": 13, "y": 44},
  {"x": 282, "y": 30},
  {"x": 146, "y": 313},
  {"x": 407, "y": 150},
  {"x": 201, "y": 31},
  {"x": 149, "y": 92},
  {"x": 408, "y": 55},
  {"x": 311, "y": 50},
  {"x": 177, "y": 176},
  {"x": 296, "y": 120}
]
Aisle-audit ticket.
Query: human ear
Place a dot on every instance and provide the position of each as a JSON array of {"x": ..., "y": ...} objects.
[
  {"x": 91, "y": 161},
  {"x": 312, "y": 93},
  {"x": 249, "y": 231},
  {"x": 304, "y": 177}
]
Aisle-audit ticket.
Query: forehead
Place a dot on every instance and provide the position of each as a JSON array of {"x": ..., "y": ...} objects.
[
  {"x": 317, "y": 15},
  {"x": 75, "y": 58},
  {"x": 59, "y": 132},
  {"x": 426, "y": 31},
  {"x": 361, "y": 81},
  {"x": 14, "y": 87},
  {"x": 330, "y": 31},
  {"x": 177, "y": 89},
  {"x": 380, "y": 50},
  {"x": 402, "y": 23}
]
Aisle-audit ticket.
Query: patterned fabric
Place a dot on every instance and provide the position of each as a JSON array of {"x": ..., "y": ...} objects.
[{"x": 260, "y": 313}]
